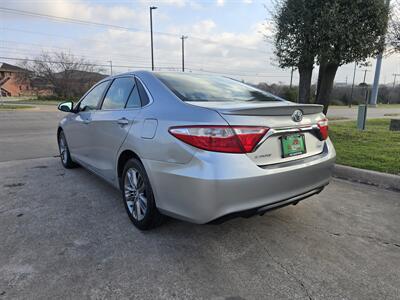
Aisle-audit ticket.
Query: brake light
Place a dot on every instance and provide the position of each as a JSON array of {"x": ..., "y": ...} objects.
[
  {"x": 228, "y": 139},
  {"x": 323, "y": 128}
]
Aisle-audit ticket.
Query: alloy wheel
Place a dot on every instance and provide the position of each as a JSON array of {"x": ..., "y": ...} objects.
[
  {"x": 63, "y": 149},
  {"x": 135, "y": 194}
]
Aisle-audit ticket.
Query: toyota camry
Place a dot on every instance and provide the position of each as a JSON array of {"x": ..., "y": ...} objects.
[{"x": 196, "y": 147}]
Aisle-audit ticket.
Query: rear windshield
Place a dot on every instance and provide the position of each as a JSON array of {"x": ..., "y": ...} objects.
[{"x": 198, "y": 87}]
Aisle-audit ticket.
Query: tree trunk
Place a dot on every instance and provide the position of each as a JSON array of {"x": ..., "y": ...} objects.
[
  {"x": 326, "y": 85},
  {"x": 305, "y": 73},
  {"x": 322, "y": 67}
]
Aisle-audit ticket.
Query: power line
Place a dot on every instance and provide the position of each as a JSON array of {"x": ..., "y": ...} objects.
[
  {"x": 121, "y": 54},
  {"x": 128, "y": 59},
  {"x": 61, "y": 36},
  {"x": 145, "y": 67},
  {"x": 119, "y": 27}
]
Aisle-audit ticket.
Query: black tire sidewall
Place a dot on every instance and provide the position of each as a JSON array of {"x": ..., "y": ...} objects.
[{"x": 69, "y": 163}]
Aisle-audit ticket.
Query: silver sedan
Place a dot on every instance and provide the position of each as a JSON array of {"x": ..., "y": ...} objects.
[{"x": 196, "y": 147}]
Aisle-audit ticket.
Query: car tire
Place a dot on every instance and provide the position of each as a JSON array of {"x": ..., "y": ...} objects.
[
  {"x": 138, "y": 196},
  {"x": 65, "y": 155}
]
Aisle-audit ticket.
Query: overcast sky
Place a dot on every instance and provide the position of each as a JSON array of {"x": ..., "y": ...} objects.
[{"x": 231, "y": 37}]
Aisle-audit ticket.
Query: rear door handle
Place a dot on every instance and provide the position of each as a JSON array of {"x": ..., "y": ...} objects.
[{"x": 123, "y": 121}]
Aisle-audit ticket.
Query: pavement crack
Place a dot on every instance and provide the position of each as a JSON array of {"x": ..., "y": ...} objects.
[
  {"x": 284, "y": 268},
  {"x": 338, "y": 233}
]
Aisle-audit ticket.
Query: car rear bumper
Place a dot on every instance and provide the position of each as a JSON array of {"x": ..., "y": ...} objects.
[{"x": 214, "y": 185}]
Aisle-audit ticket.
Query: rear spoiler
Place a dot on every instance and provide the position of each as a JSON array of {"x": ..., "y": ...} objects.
[{"x": 284, "y": 110}]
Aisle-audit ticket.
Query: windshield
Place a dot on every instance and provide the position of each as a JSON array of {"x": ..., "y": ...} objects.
[{"x": 198, "y": 87}]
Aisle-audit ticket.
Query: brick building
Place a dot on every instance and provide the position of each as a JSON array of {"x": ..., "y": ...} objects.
[
  {"x": 13, "y": 83},
  {"x": 10, "y": 83}
]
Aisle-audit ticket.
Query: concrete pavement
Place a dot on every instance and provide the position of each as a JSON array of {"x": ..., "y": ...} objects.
[{"x": 65, "y": 234}]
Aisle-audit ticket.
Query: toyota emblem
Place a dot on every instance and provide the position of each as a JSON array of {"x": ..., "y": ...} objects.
[{"x": 297, "y": 116}]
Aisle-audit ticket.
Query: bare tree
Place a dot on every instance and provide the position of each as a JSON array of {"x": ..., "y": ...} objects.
[
  {"x": 68, "y": 75},
  {"x": 394, "y": 28}
]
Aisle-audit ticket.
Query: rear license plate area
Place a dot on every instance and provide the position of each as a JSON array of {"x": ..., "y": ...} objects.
[{"x": 293, "y": 145}]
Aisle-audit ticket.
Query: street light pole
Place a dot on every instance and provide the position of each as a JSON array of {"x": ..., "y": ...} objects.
[
  {"x": 183, "y": 38},
  {"x": 365, "y": 75},
  {"x": 352, "y": 86},
  {"x": 151, "y": 35},
  {"x": 111, "y": 70},
  {"x": 394, "y": 79},
  {"x": 375, "y": 86}
]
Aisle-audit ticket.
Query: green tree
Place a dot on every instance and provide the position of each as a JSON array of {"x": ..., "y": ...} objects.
[
  {"x": 331, "y": 33},
  {"x": 295, "y": 43},
  {"x": 348, "y": 31},
  {"x": 394, "y": 28}
]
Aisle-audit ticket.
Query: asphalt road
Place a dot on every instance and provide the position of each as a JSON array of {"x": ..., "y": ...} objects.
[
  {"x": 65, "y": 234},
  {"x": 372, "y": 112},
  {"x": 28, "y": 134}
]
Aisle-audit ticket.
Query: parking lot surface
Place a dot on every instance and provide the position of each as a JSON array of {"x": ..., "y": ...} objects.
[
  {"x": 28, "y": 134},
  {"x": 65, "y": 234}
]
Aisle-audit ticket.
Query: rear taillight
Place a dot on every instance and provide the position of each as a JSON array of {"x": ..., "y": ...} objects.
[
  {"x": 229, "y": 139},
  {"x": 323, "y": 128}
]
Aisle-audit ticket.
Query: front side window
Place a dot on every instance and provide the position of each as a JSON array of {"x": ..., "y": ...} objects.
[
  {"x": 92, "y": 99},
  {"x": 199, "y": 87},
  {"x": 118, "y": 93}
]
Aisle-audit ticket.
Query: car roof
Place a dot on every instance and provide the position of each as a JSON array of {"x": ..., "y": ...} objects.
[{"x": 152, "y": 73}]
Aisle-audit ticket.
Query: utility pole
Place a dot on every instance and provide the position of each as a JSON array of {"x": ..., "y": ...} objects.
[
  {"x": 183, "y": 38},
  {"x": 365, "y": 75},
  {"x": 394, "y": 80},
  {"x": 352, "y": 86},
  {"x": 375, "y": 87},
  {"x": 291, "y": 77},
  {"x": 151, "y": 35},
  {"x": 111, "y": 70},
  {"x": 394, "y": 84}
]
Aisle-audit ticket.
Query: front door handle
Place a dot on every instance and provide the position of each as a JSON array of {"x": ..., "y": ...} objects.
[{"x": 123, "y": 121}]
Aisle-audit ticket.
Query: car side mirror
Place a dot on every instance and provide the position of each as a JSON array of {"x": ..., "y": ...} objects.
[{"x": 66, "y": 106}]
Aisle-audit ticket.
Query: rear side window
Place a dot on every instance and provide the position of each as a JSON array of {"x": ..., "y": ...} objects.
[
  {"x": 134, "y": 99},
  {"x": 92, "y": 99},
  {"x": 142, "y": 92},
  {"x": 118, "y": 93}
]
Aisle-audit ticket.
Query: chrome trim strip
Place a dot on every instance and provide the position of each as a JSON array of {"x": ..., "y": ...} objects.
[{"x": 276, "y": 131}]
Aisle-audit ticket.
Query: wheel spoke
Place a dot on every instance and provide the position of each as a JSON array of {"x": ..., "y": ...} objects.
[
  {"x": 143, "y": 202},
  {"x": 135, "y": 179},
  {"x": 131, "y": 177},
  {"x": 139, "y": 210},
  {"x": 130, "y": 205},
  {"x": 141, "y": 187}
]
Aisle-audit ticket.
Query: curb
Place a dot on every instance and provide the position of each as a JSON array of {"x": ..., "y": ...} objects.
[{"x": 383, "y": 180}]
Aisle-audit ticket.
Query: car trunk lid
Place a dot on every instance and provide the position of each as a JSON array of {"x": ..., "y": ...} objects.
[{"x": 277, "y": 116}]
